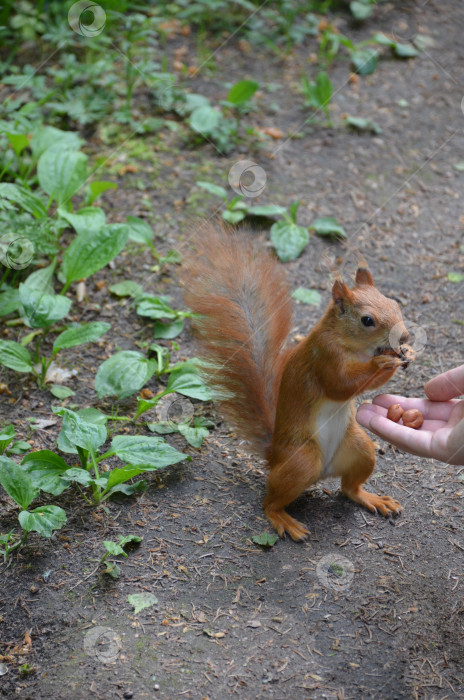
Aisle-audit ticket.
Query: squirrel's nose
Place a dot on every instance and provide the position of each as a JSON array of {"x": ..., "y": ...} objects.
[{"x": 404, "y": 338}]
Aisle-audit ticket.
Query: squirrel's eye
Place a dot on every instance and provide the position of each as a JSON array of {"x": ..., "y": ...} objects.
[{"x": 367, "y": 321}]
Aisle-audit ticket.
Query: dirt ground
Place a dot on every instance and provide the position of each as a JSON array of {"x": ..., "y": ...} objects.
[{"x": 233, "y": 619}]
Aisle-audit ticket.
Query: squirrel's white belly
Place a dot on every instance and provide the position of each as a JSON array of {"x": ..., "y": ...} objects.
[{"x": 332, "y": 422}]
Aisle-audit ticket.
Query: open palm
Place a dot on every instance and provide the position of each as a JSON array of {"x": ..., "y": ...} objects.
[{"x": 440, "y": 437}]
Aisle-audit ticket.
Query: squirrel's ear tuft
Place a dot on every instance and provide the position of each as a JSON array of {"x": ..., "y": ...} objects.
[
  {"x": 364, "y": 277},
  {"x": 341, "y": 294}
]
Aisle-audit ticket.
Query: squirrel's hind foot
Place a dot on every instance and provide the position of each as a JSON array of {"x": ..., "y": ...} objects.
[
  {"x": 284, "y": 523},
  {"x": 382, "y": 504}
]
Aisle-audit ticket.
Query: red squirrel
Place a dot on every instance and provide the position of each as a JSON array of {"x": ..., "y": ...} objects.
[{"x": 295, "y": 406}]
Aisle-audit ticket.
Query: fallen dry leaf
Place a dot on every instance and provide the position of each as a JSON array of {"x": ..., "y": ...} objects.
[
  {"x": 273, "y": 132},
  {"x": 57, "y": 375}
]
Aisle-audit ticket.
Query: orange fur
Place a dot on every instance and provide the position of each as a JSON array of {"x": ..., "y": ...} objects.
[
  {"x": 296, "y": 406},
  {"x": 246, "y": 312}
]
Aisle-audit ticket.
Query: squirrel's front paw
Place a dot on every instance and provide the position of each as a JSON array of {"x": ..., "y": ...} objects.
[
  {"x": 387, "y": 362},
  {"x": 407, "y": 354}
]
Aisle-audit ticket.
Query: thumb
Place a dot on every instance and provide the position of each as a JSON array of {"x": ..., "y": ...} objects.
[{"x": 446, "y": 386}]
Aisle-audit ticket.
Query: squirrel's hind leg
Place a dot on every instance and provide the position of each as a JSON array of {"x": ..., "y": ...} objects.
[
  {"x": 291, "y": 473},
  {"x": 355, "y": 462}
]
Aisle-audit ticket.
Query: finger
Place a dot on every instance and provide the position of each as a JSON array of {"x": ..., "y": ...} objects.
[
  {"x": 433, "y": 425},
  {"x": 416, "y": 441},
  {"x": 456, "y": 444},
  {"x": 430, "y": 409},
  {"x": 446, "y": 386}
]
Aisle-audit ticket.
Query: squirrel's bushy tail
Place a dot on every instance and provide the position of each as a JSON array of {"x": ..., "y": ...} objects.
[{"x": 245, "y": 306}]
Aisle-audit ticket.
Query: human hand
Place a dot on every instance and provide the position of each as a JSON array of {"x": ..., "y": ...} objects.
[
  {"x": 448, "y": 385},
  {"x": 442, "y": 433}
]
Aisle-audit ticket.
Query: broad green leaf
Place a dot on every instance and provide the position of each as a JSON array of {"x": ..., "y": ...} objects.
[
  {"x": 80, "y": 432},
  {"x": 129, "y": 539},
  {"x": 9, "y": 302},
  {"x": 242, "y": 91},
  {"x": 405, "y": 51},
  {"x": 360, "y": 10},
  {"x": 123, "y": 374},
  {"x": 163, "y": 427},
  {"x": 46, "y": 469},
  {"x": 266, "y": 210},
  {"x": 85, "y": 220},
  {"x": 364, "y": 61},
  {"x": 328, "y": 226},
  {"x": 139, "y": 230},
  {"x": 18, "y": 485},
  {"x": 195, "y": 435},
  {"x": 363, "y": 124},
  {"x": 61, "y": 172},
  {"x": 97, "y": 188},
  {"x": 265, "y": 539},
  {"x": 155, "y": 307},
  {"x": 213, "y": 189},
  {"x": 119, "y": 476},
  {"x": 168, "y": 331},
  {"x": 7, "y": 435},
  {"x": 79, "y": 335},
  {"x": 114, "y": 548},
  {"x": 41, "y": 280},
  {"x": 128, "y": 288},
  {"x": 191, "y": 101},
  {"x": 18, "y": 142},
  {"x": 18, "y": 447},
  {"x": 146, "y": 452},
  {"x": 318, "y": 93},
  {"x": 42, "y": 310},
  {"x": 457, "y": 166},
  {"x": 46, "y": 137},
  {"x": 307, "y": 296},
  {"x": 80, "y": 476},
  {"x": 383, "y": 39},
  {"x": 61, "y": 392},
  {"x": 112, "y": 570},
  {"x": 144, "y": 405},
  {"x": 140, "y": 601},
  {"x": 14, "y": 356},
  {"x": 184, "y": 381},
  {"x": 93, "y": 415},
  {"x": 205, "y": 119},
  {"x": 288, "y": 239},
  {"x": 89, "y": 415},
  {"x": 128, "y": 489},
  {"x": 233, "y": 217},
  {"x": 91, "y": 251},
  {"x": 455, "y": 277},
  {"x": 24, "y": 198},
  {"x": 44, "y": 520}
]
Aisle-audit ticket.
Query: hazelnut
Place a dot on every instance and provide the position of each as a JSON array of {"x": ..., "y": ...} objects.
[
  {"x": 413, "y": 418},
  {"x": 395, "y": 412}
]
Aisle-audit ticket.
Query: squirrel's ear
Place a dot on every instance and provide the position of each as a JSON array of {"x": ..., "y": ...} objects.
[
  {"x": 363, "y": 277},
  {"x": 341, "y": 294}
]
